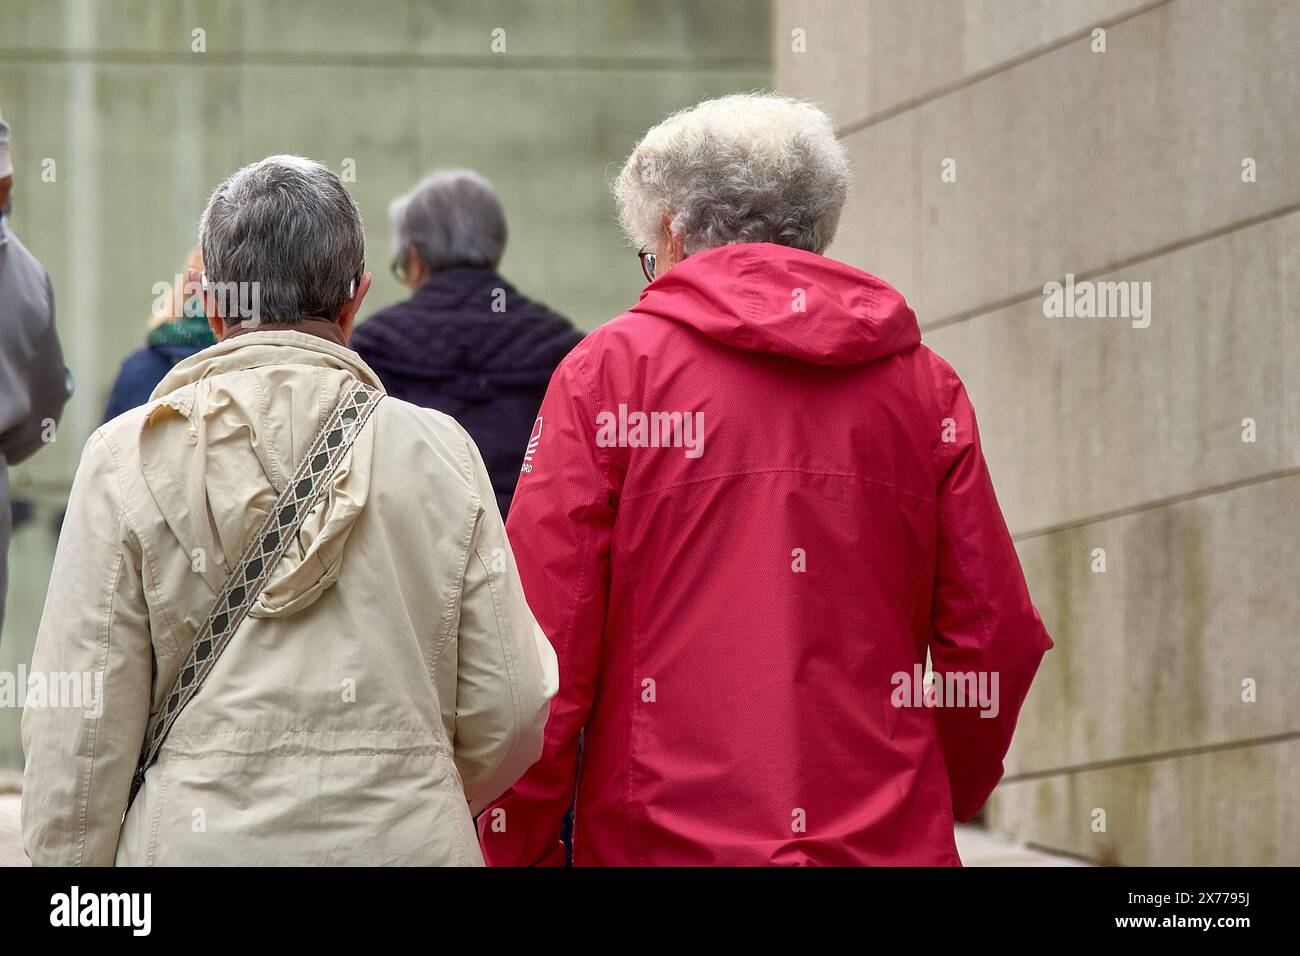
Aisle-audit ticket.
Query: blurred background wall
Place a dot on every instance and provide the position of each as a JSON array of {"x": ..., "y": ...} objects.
[
  {"x": 1136, "y": 745},
  {"x": 140, "y": 128}
]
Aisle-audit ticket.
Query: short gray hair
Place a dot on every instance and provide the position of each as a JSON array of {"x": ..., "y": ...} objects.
[
  {"x": 287, "y": 224},
  {"x": 751, "y": 167},
  {"x": 451, "y": 218}
]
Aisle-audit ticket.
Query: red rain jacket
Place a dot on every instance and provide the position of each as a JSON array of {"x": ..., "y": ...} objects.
[{"x": 738, "y": 610}]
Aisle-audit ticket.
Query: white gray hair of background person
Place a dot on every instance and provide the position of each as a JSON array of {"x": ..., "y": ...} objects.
[
  {"x": 452, "y": 217},
  {"x": 750, "y": 167},
  {"x": 34, "y": 382},
  {"x": 306, "y": 255}
]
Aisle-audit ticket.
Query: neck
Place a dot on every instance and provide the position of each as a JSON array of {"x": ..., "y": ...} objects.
[{"x": 321, "y": 328}]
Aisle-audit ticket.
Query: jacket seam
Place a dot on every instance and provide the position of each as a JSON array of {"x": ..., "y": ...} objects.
[
  {"x": 151, "y": 583},
  {"x": 254, "y": 730},
  {"x": 517, "y": 722},
  {"x": 658, "y": 489},
  {"x": 108, "y": 590},
  {"x": 430, "y": 750},
  {"x": 593, "y": 397},
  {"x": 596, "y": 398},
  {"x": 107, "y": 601},
  {"x": 637, "y": 846},
  {"x": 164, "y": 780},
  {"x": 467, "y": 464},
  {"x": 449, "y": 785},
  {"x": 983, "y": 615},
  {"x": 449, "y": 617},
  {"x": 276, "y": 476}
]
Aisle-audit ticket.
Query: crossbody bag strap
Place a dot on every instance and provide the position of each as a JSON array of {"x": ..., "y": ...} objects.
[{"x": 259, "y": 560}]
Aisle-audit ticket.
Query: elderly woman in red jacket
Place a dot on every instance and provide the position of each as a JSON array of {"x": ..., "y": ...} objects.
[{"x": 751, "y": 505}]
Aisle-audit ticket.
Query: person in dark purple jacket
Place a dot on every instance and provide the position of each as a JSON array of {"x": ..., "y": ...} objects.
[{"x": 466, "y": 343}]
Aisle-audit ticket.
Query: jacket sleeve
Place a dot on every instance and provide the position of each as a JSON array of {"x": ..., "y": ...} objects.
[
  {"x": 983, "y": 621},
  {"x": 90, "y": 687},
  {"x": 505, "y": 671},
  {"x": 561, "y": 524},
  {"x": 34, "y": 383}
]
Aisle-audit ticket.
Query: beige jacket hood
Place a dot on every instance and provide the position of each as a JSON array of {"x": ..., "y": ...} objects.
[
  {"x": 388, "y": 684},
  {"x": 227, "y": 428}
]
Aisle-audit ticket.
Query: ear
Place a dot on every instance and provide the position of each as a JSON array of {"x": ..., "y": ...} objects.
[
  {"x": 679, "y": 248},
  {"x": 670, "y": 248},
  {"x": 194, "y": 281},
  {"x": 417, "y": 274},
  {"x": 348, "y": 313}
]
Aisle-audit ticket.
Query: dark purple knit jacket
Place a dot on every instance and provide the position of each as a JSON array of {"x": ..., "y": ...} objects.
[{"x": 446, "y": 348}]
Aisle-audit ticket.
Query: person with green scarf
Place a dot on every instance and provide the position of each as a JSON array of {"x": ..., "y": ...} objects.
[{"x": 173, "y": 336}]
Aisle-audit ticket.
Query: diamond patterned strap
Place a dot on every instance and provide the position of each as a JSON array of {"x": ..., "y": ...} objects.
[{"x": 259, "y": 560}]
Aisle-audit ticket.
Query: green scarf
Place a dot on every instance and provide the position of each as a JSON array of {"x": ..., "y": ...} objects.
[{"x": 191, "y": 331}]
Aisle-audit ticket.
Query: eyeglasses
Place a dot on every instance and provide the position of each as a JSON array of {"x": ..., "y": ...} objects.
[{"x": 647, "y": 264}]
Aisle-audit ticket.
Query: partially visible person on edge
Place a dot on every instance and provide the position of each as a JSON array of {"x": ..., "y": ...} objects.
[
  {"x": 34, "y": 382},
  {"x": 465, "y": 342},
  {"x": 756, "y": 502},
  {"x": 176, "y": 332},
  {"x": 388, "y": 681}
]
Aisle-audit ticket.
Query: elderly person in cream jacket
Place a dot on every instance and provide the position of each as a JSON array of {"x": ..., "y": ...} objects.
[{"x": 389, "y": 680}]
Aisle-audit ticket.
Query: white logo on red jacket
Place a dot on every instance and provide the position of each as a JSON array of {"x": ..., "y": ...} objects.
[{"x": 533, "y": 440}]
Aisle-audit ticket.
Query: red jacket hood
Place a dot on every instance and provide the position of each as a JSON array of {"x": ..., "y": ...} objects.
[{"x": 762, "y": 297}]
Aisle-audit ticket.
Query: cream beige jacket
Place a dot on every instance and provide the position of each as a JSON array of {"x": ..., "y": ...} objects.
[{"x": 389, "y": 682}]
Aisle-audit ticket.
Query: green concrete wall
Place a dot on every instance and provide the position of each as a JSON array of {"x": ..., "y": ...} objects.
[
  {"x": 141, "y": 128},
  {"x": 1123, "y": 164}
]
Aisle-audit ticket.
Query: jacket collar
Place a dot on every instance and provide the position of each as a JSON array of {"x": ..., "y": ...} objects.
[
  {"x": 458, "y": 284},
  {"x": 321, "y": 328},
  {"x": 252, "y": 349}
]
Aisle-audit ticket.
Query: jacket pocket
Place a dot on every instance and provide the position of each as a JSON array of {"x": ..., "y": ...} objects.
[{"x": 137, "y": 844}]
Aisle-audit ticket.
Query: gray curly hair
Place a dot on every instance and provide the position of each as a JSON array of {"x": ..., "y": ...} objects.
[{"x": 751, "y": 167}]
